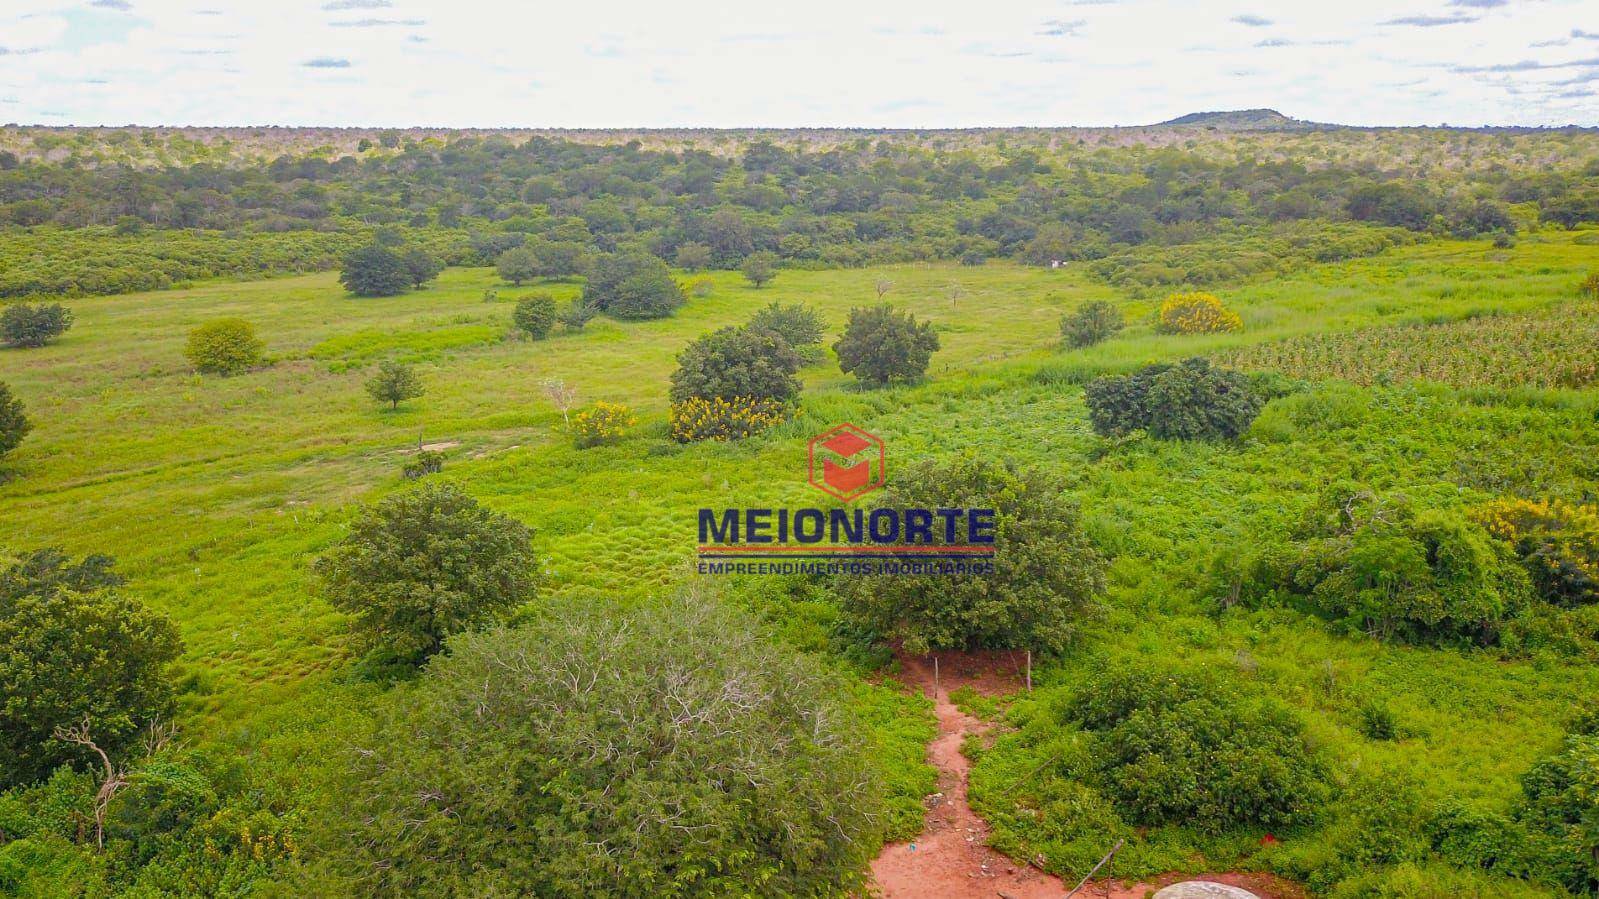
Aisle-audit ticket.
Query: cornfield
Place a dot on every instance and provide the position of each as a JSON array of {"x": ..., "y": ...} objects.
[{"x": 1559, "y": 348}]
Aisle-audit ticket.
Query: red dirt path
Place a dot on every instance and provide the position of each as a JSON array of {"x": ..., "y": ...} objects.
[{"x": 951, "y": 857}]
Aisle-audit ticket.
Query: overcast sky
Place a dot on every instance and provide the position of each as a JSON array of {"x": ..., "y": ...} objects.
[{"x": 605, "y": 63}]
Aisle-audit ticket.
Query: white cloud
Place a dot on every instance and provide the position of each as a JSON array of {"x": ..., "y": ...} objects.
[{"x": 902, "y": 63}]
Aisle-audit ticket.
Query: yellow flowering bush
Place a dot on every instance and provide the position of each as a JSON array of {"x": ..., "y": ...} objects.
[
  {"x": 601, "y": 423},
  {"x": 1589, "y": 287},
  {"x": 1196, "y": 313},
  {"x": 698, "y": 418},
  {"x": 1557, "y": 541}
]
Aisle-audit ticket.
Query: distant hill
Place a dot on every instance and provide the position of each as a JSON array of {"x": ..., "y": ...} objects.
[{"x": 1245, "y": 120}]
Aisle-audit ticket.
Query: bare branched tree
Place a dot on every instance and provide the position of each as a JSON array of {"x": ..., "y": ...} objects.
[
  {"x": 563, "y": 395},
  {"x": 883, "y": 287},
  {"x": 113, "y": 778}
]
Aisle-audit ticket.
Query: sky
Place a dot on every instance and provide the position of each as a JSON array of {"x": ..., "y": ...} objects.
[{"x": 804, "y": 63}]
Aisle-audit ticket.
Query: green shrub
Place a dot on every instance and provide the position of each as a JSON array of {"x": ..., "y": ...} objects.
[
  {"x": 881, "y": 346},
  {"x": 22, "y": 325},
  {"x": 424, "y": 463},
  {"x": 1589, "y": 288},
  {"x": 535, "y": 315},
  {"x": 1094, "y": 321},
  {"x": 75, "y": 652},
  {"x": 425, "y": 564},
  {"x": 1047, "y": 574},
  {"x": 669, "y": 748},
  {"x": 1561, "y": 804},
  {"x": 737, "y": 362},
  {"x": 375, "y": 271},
  {"x": 1190, "y": 401},
  {"x": 798, "y": 324},
  {"x": 226, "y": 346},
  {"x": 14, "y": 424},
  {"x": 1375, "y": 565},
  {"x": 1187, "y": 746},
  {"x": 577, "y": 315}
]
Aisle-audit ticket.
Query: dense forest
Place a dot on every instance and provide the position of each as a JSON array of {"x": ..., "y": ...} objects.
[{"x": 855, "y": 203}]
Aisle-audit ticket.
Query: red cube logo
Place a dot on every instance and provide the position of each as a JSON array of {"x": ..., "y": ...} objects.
[{"x": 847, "y": 462}]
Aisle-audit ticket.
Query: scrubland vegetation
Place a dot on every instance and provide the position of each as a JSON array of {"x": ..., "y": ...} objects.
[{"x": 401, "y": 605}]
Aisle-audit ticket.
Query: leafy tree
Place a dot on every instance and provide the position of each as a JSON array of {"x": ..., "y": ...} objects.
[
  {"x": 798, "y": 324},
  {"x": 760, "y": 267},
  {"x": 702, "y": 754},
  {"x": 881, "y": 346},
  {"x": 559, "y": 258},
  {"x": 422, "y": 266},
  {"x": 632, "y": 286},
  {"x": 394, "y": 383},
  {"x": 1094, "y": 321},
  {"x": 535, "y": 315},
  {"x": 518, "y": 265},
  {"x": 693, "y": 256},
  {"x": 14, "y": 425},
  {"x": 737, "y": 362},
  {"x": 225, "y": 346},
  {"x": 1190, "y": 401},
  {"x": 22, "y": 325},
  {"x": 1180, "y": 745},
  {"x": 75, "y": 652},
  {"x": 425, "y": 564},
  {"x": 1047, "y": 574},
  {"x": 375, "y": 271}
]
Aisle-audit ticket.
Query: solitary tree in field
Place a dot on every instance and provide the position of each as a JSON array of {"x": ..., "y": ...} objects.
[
  {"x": 76, "y": 654},
  {"x": 760, "y": 268},
  {"x": 22, "y": 325},
  {"x": 517, "y": 265},
  {"x": 421, "y": 266},
  {"x": 731, "y": 363},
  {"x": 375, "y": 271},
  {"x": 394, "y": 383},
  {"x": 632, "y": 286},
  {"x": 14, "y": 425},
  {"x": 428, "y": 563},
  {"x": 226, "y": 346},
  {"x": 881, "y": 346},
  {"x": 798, "y": 324}
]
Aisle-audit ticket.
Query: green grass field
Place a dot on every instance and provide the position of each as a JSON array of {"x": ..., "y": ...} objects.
[{"x": 214, "y": 494}]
